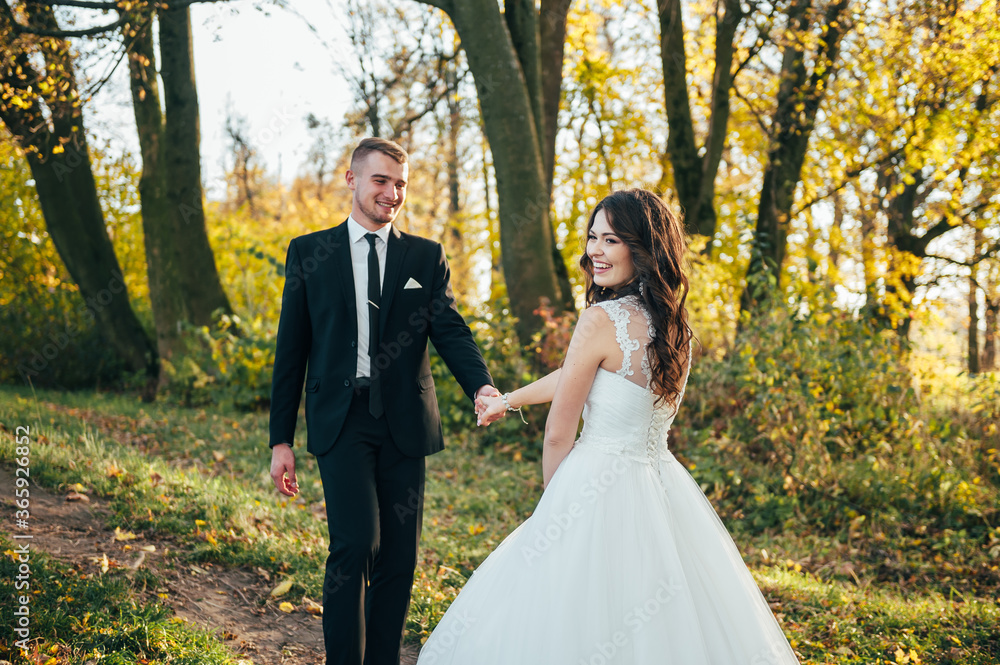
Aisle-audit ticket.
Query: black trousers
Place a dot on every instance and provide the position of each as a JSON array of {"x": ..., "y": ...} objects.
[{"x": 374, "y": 507}]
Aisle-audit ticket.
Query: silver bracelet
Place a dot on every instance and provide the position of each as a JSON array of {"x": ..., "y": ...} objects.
[{"x": 510, "y": 408}]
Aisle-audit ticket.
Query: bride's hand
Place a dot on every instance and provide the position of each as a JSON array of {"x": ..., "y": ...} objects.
[{"x": 489, "y": 409}]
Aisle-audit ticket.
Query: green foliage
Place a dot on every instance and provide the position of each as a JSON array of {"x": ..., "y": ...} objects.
[
  {"x": 812, "y": 423},
  {"x": 47, "y": 334},
  {"x": 230, "y": 363}
]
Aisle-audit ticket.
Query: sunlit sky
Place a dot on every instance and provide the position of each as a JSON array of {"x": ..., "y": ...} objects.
[{"x": 267, "y": 66}]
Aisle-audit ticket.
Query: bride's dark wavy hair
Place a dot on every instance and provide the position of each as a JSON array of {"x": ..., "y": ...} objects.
[{"x": 658, "y": 244}]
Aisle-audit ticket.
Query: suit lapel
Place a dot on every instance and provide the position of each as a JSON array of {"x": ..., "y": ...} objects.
[
  {"x": 395, "y": 251},
  {"x": 345, "y": 270}
]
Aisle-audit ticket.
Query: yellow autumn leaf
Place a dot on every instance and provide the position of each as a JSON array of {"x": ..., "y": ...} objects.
[
  {"x": 281, "y": 589},
  {"x": 286, "y": 607},
  {"x": 123, "y": 535}
]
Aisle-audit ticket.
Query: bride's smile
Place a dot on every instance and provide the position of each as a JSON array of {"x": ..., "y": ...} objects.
[{"x": 611, "y": 258}]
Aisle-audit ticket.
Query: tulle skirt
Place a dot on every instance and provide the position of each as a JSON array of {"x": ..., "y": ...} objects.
[{"x": 622, "y": 562}]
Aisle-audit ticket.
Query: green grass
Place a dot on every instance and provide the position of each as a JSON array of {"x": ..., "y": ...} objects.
[
  {"x": 848, "y": 592},
  {"x": 75, "y": 617},
  {"x": 834, "y": 622}
]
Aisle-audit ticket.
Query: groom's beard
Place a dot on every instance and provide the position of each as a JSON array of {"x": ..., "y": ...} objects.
[{"x": 378, "y": 214}]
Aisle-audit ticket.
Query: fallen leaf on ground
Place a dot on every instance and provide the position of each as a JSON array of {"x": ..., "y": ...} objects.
[
  {"x": 312, "y": 607},
  {"x": 281, "y": 589}
]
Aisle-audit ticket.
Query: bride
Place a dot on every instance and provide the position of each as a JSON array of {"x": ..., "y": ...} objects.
[{"x": 623, "y": 560}]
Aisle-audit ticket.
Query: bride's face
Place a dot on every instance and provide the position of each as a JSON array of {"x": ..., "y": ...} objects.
[{"x": 611, "y": 257}]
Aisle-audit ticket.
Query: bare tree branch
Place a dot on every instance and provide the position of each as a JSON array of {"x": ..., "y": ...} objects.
[
  {"x": 84, "y": 4},
  {"x": 62, "y": 34},
  {"x": 757, "y": 116}
]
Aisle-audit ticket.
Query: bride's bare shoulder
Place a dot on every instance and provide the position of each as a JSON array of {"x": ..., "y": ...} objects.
[{"x": 593, "y": 326}]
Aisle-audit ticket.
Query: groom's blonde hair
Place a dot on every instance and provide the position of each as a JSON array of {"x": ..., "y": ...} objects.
[{"x": 384, "y": 146}]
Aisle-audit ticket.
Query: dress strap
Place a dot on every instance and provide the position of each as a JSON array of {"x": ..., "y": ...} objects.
[{"x": 620, "y": 317}]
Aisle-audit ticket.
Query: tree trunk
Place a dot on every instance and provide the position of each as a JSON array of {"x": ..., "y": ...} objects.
[
  {"x": 498, "y": 288},
  {"x": 973, "y": 350},
  {"x": 694, "y": 171},
  {"x": 539, "y": 41},
  {"x": 681, "y": 145},
  {"x": 907, "y": 249},
  {"x": 552, "y": 46},
  {"x": 59, "y": 158},
  {"x": 203, "y": 292},
  {"x": 836, "y": 240},
  {"x": 161, "y": 237},
  {"x": 798, "y": 100},
  {"x": 989, "y": 362},
  {"x": 872, "y": 302},
  {"x": 513, "y": 127},
  {"x": 454, "y": 230}
]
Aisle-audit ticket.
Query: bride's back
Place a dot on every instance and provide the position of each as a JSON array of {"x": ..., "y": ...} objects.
[{"x": 621, "y": 415}]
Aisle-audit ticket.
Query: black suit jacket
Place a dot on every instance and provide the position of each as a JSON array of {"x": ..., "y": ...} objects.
[{"x": 317, "y": 341}]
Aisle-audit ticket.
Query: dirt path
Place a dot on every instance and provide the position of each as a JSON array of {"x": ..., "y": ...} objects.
[{"x": 233, "y": 603}]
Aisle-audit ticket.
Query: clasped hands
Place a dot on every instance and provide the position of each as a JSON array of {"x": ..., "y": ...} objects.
[{"x": 489, "y": 406}]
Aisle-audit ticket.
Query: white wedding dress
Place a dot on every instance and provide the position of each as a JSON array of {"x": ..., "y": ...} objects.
[{"x": 624, "y": 561}]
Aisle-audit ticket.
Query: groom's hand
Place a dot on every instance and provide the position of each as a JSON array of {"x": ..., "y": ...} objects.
[
  {"x": 485, "y": 391},
  {"x": 489, "y": 409},
  {"x": 283, "y": 469},
  {"x": 488, "y": 391}
]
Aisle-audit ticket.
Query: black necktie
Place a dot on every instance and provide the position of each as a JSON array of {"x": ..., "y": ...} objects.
[{"x": 374, "y": 302}]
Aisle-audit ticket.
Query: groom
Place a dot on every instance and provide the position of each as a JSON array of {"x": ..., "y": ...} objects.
[{"x": 360, "y": 302}]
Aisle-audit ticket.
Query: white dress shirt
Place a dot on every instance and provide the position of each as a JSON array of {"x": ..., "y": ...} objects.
[{"x": 359, "y": 262}]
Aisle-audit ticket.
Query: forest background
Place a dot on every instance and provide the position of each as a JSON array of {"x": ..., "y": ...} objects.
[{"x": 836, "y": 162}]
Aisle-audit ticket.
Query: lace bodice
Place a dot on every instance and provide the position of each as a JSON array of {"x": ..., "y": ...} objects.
[{"x": 621, "y": 415}]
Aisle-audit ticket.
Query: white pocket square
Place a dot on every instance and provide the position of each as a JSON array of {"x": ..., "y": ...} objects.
[{"x": 412, "y": 284}]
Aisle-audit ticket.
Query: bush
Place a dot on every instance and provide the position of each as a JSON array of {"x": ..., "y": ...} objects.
[
  {"x": 230, "y": 363},
  {"x": 815, "y": 420}
]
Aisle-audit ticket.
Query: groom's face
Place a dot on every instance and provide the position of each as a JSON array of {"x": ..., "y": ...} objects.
[{"x": 379, "y": 185}]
